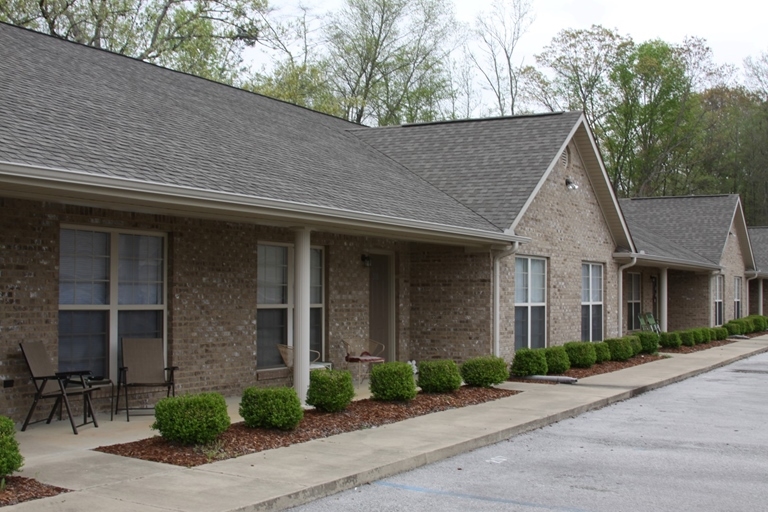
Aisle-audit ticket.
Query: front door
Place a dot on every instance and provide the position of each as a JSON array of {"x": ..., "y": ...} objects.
[{"x": 380, "y": 313}]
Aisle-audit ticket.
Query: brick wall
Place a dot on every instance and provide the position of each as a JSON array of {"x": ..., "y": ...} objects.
[
  {"x": 689, "y": 301},
  {"x": 733, "y": 265},
  {"x": 450, "y": 292},
  {"x": 568, "y": 228}
]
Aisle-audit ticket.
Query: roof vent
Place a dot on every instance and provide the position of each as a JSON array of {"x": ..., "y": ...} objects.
[{"x": 565, "y": 158}]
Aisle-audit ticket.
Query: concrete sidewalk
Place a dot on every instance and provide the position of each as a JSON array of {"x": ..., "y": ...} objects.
[{"x": 289, "y": 476}]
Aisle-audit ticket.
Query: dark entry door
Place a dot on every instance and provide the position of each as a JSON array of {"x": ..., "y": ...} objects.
[{"x": 379, "y": 329}]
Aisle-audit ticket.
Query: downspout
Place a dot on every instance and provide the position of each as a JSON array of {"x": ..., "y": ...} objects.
[
  {"x": 621, "y": 294},
  {"x": 497, "y": 257}
]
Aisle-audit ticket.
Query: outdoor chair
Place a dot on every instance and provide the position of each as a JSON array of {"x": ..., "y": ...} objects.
[
  {"x": 286, "y": 352},
  {"x": 62, "y": 385},
  {"x": 643, "y": 324},
  {"x": 652, "y": 323},
  {"x": 143, "y": 366},
  {"x": 367, "y": 357}
]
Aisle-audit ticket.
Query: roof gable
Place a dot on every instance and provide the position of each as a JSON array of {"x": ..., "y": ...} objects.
[
  {"x": 758, "y": 237},
  {"x": 698, "y": 226}
]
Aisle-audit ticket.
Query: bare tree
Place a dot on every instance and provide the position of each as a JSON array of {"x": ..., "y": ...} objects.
[
  {"x": 498, "y": 33},
  {"x": 757, "y": 74}
]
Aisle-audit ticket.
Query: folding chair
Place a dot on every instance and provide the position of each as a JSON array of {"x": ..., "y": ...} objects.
[
  {"x": 366, "y": 357},
  {"x": 143, "y": 366},
  {"x": 652, "y": 323},
  {"x": 286, "y": 352},
  {"x": 66, "y": 384}
]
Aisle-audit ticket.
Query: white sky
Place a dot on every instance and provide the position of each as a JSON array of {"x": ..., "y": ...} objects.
[{"x": 734, "y": 29}]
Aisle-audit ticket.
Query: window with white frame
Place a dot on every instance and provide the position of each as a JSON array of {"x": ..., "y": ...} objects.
[
  {"x": 111, "y": 286},
  {"x": 530, "y": 303},
  {"x": 719, "y": 285},
  {"x": 737, "y": 297},
  {"x": 591, "y": 302},
  {"x": 634, "y": 303},
  {"x": 275, "y": 303}
]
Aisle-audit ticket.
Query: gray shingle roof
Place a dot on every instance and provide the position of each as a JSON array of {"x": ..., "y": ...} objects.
[
  {"x": 759, "y": 238},
  {"x": 71, "y": 107},
  {"x": 678, "y": 226},
  {"x": 490, "y": 165}
]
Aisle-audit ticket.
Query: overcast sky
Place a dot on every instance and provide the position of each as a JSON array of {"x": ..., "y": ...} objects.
[{"x": 734, "y": 29}]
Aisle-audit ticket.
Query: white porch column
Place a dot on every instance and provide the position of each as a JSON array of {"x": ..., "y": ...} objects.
[
  {"x": 301, "y": 313},
  {"x": 663, "y": 300},
  {"x": 760, "y": 298}
]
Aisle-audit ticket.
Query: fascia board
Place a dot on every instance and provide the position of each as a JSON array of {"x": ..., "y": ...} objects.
[
  {"x": 126, "y": 191},
  {"x": 660, "y": 261}
]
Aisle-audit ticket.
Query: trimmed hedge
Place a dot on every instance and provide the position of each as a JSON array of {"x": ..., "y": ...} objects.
[
  {"x": 484, "y": 371},
  {"x": 698, "y": 336},
  {"x": 621, "y": 348},
  {"x": 393, "y": 381},
  {"x": 635, "y": 344},
  {"x": 649, "y": 341},
  {"x": 557, "y": 360},
  {"x": 10, "y": 456},
  {"x": 330, "y": 390},
  {"x": 722, "y": 333},
  {"x": 277, "y": 407},
  {"x": 760, "y": 322},
  {"x": 191, "y": 419},
  {"x": 602, "y": 352},
  {"x": 581, "y": 354},
  {"x": 687, "y": 338},
  {"x": 733, "y": 328},
  {"x": 530, "y": 362},
  {"x": 670, "y": 340},
  {"x": 713, "y": 334},
  {"x": 441, "y": 376}
]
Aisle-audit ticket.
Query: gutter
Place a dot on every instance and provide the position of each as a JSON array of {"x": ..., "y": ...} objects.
[
  {"x": 497, "y": 257},
  {"x": 621, "y": 294},
  {"x": 130, "y": 193},
  {"x": 669, "y": 262}
]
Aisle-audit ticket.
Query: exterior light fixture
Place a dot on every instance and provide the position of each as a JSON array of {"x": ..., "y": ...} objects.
[
  {"x": 570, "y": 184},
  {"x": 366, "y": 259}
]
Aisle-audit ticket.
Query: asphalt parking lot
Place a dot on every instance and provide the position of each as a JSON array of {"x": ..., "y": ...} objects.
[{"x": 698, "y": 445}]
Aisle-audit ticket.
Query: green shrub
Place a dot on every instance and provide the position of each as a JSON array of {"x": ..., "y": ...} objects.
[
  {"x": 484, "y": 371},
  {"x": 670, "y": 340},
  {"x": 557, "y": 360},
  {"x": 733, "y": 328},
  {"x": 722, "y": 333},
  {"x": 621, "y": 348},
  {"x": 529, "y": 362},
  {"x": 687, "y": 338},
  {"x": 746, "y": 324},
  {"x": 393, "y": 381},
  {"x": 441, "y": 376},
  {"x": 602, "y": 352},
  {"x": 698, "y": 336},
  {"x": 191, "y": 419},
  {"x": 581, "y": 354},
  {"x": 635, "y": 344},
  {"x": 713, "y": 333},
  {"x": 760, "y": 322},
  {"x": 649, "y": 341},
  {"x": 277, "y": 407},
  {"x": 704, "y": 335},
  {"x": 10, "y": 456},
  {"x": 330, "y": 390}
]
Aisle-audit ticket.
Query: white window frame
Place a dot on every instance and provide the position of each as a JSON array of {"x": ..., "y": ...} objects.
[
  {"x": 528, "y": 303},
  {"x": 591, "y": 301},
  {"x": 634, "y": 297},
  {"x": 113, "y": 307},
  {"x": 290, "y": 305},
  {"x": 737, "y": 297},
  {"x": 718, "y": 299}
]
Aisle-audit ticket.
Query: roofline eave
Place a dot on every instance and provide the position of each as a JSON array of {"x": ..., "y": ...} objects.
[
  {"x": 662, "y": 261},
  {"x": 126, "y": 194}
]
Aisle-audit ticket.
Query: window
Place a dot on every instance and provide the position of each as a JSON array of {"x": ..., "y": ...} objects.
[
  {"x": 111, "y": 285},
  {"x": 737, "y": 297},
  {"x": 591, "y": 302},
  {"x": 719, "y": 285},
  {"x": 530, "y": 303},
  {"x": 274, "y": 297},
  {"x": 633, "y": 302}
]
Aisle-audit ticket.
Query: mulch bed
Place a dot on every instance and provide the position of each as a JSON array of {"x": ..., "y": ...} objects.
[{"x": 240, "y": 440}]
